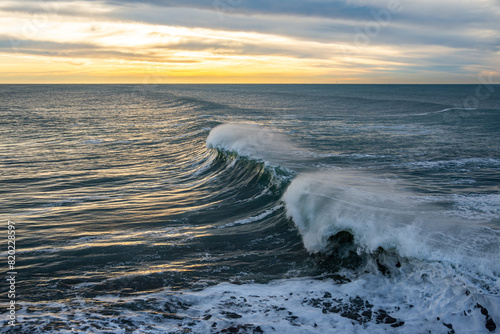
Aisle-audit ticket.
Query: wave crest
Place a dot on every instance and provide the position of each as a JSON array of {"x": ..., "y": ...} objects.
[
  {"x": 256, "y": 142},
  {"x": 324, "y": 204},
  {"x": 379, "y": 214}
]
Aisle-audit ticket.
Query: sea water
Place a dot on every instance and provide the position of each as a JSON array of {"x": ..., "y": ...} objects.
[{"x": 251, "y": 208}]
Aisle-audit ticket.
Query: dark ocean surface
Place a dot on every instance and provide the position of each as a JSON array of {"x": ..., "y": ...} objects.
[{"x": 251, "y": 208}]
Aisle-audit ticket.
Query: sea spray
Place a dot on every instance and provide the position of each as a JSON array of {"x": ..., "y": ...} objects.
[{"x": 380, "y": 214}]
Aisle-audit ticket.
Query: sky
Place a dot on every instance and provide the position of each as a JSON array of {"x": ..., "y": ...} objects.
[{"x": 250, "y": 41}]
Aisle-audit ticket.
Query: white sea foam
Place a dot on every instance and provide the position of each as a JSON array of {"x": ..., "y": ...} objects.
[
  {"x": 440, "y": 164},
  {"x": 477, "y": 206},
  {"x": 379, "y": 214},
  {"x": 443, "y": 110},
  {"x": 415, "y": 299},
  {"x": 253, "y": 218}
]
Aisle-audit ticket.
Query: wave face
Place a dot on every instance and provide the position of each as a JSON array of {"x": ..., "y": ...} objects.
[{"x": 252, "y": 208}]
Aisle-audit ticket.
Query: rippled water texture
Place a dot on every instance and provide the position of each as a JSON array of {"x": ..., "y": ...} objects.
[{"x": 251, "y": 208}]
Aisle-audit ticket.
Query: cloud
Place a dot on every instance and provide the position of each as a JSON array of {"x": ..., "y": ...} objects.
[
  {"x": 442, "y": 22},
  {"x": 80, "y": 50},
  {"x": 403, "y": 36}
]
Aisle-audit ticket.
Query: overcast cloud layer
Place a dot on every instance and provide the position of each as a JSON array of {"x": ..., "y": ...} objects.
[{"x": 368, "y": 41}]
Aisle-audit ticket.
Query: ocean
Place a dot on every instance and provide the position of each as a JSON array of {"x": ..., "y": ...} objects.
[{"x": 250, "y": 208}]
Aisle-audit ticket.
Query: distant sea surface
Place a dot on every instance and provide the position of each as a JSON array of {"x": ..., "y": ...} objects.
[{"x": 251, "y": 208}]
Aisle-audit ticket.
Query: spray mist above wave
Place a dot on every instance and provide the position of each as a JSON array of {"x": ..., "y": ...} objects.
[
  {"x": 378, "y": 213},
  {"x": 255, "y": 142}
]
